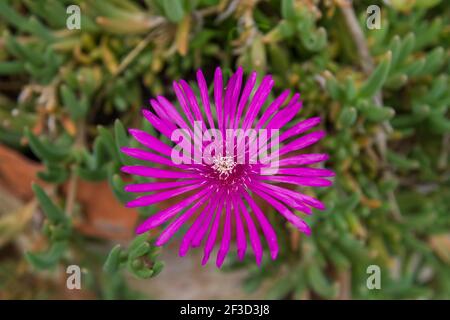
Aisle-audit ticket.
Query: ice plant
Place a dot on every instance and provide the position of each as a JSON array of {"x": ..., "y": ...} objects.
[{"x": 219, "y": 191}]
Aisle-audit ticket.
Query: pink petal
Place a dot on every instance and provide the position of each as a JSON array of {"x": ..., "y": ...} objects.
[
  {"x": 147, "y": 156},
  {"x": 313, "y": 202},
  {"x": 226, "y": 238},
  {"x": 258, "y": 100},
  {"x": 194, "y": 229},
  {"x": 300, "y": 127},
  {"x": 166, "y": 214},
  {"x": 150, "y": 142},
  {"x": 153, "y": 186},
  {"x": 161, "y": 196},
  {"x": 266, "y": 227},
  {"x": 178, "y": 223},
  {"x": 181, "y": 98},
  {"x": 235, "y": 96},
  {"x": 211, "y": 240},
  {"x": 253, "y": 232},
  {"x": 274, "y": 106},
  {"x": 302, "y": 142},
  {"x": 218, "y": 90},
  {"x": 241, "y": 241},
  {"x": 251, "y": 80},
  {"x": 307, "y": 182},
  {"x": 172, "y": 112},
  {"x": 298, "y": 205},
  {"x": 205, "y": 97},
  {"x": 156, "y": 173},
  {"x": 192, "y": 99},
  {"x": 307, "y": 158},
  {"x": 164, "y": 127},
  {"x": 291, "y": 217},
  {"x": 307, "y": 172}
]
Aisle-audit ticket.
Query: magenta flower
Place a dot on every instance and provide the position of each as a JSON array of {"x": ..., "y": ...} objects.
[{"x": 221, "y": 165}]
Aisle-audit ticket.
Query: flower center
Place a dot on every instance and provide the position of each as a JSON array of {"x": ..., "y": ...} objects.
[{"x": 224, "y": 166}]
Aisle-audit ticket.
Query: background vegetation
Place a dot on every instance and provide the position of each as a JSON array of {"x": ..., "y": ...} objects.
[{"x": 67, "y": 95}]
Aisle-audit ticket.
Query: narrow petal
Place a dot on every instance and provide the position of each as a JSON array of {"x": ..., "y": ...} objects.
[
  {"x": 190, "y": 234},
  {"x": 307, "y": 182},
  {"x": 253, "y": 232},
  {"x": 150, "y": 142},
  {"x": 192, "y": 100},
  {"x": 178, "y": 223},
  {"x": 241, "y": 241},
  {"x": 168, "y": 121},
  {"x": 162, "y": 126},
  {"x": 313, "y": 202},
  {"x": 144, "y": 171},
  {"x": 299, "y": 128},
  {"x": 153, "y": 186},
  {"x": 161, "y": 112},
  {"x": 172, "y": 112},
  {"x": 193, "y": 105},
  {"x": 251, "y": 80},
  {"x": 193, "y": 231},
  {"x": 226, "y": 237},
  {"x": 161, "y": 196},
  {"x": 205, "y": 97},
  {"x": 235, "y": 96},
  {"x": 147, "y": 156},
  {"x": 218, "y": 91},
  {"x": 183, "y": 103},
  {"x": 258, "y": 100},
  {"x": 283, "y": 116},
  {"x": 303, "y": 159},
  {"x": 302, "y": 142},
  {"x": 291, "y": 217},
  {"x": 307, "y": 172},
  {"x": 166, "y": 214},
  {"x": 211, "y": 240},
  {"x": 288, "y": 200},
  {"x": 280, "y": 119},
  {"x": 266, "y": 227},
  {"x": 204, "y": 225},
  {"x": 228, "y": 100},
  {"x": 273, "y": 107}
]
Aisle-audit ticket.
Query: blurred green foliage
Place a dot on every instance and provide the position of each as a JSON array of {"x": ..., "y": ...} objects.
[{"x": 383, "y": 97}]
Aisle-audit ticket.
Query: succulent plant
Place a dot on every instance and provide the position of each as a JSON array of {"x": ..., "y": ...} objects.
[{"x": 66, "y": 97}]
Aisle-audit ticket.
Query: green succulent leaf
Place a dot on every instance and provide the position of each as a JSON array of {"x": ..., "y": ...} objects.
[
  {"x": 112, "y": 263},
  {"x": 173, "y": 9},
  {"x": 44, "y": 150},
  {"x": 52, "y": 211},
  {"x": 377, "y": 78},
  {"x": 49, "y": 259}
]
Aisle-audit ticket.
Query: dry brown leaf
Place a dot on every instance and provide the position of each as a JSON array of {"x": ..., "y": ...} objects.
[
  {"x": 440, "y": 244},
  {"x": 13, "y": 223}
]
